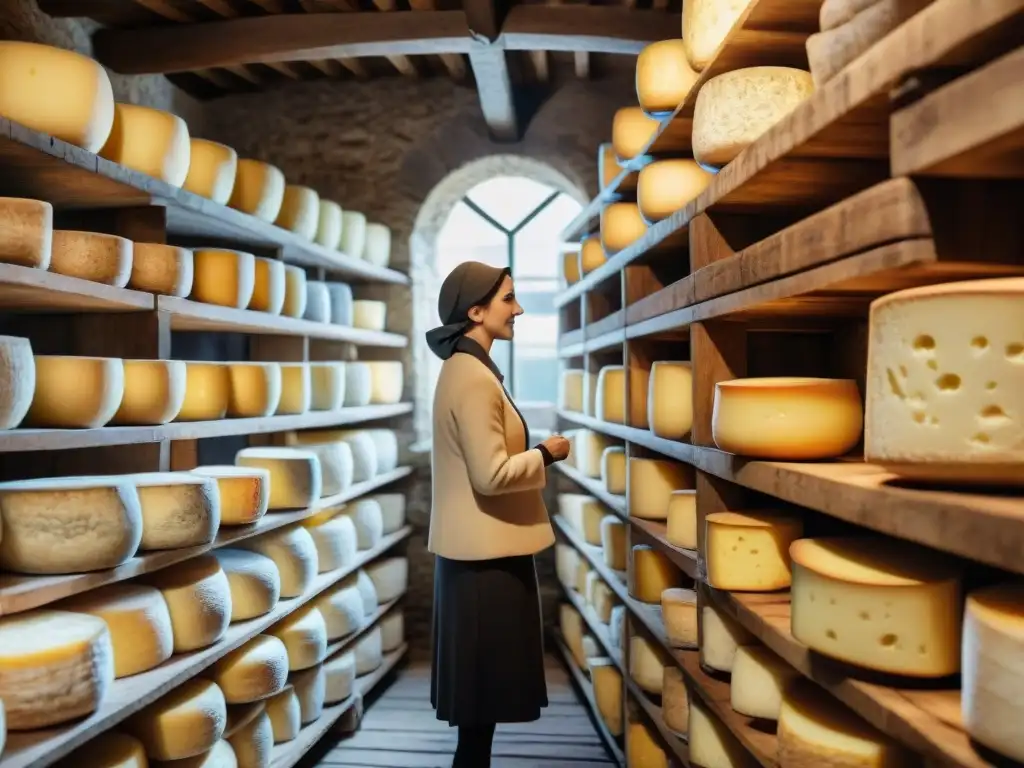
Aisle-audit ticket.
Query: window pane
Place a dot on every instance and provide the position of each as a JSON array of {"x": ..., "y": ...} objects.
[
  {"x": 509, "y": 199},
  {"x": 536, "y": 378},
  {"x": 538, "y": 246},
  {"x": 537, "y": 331}
]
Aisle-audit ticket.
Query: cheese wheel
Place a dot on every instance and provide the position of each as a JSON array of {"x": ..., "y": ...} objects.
[
  {"x": 253, "y": 580},
  {"x": 68, "y": 524},
  {"x": 341, "y": 677},
  {"x": 647, "y": 664},
  {"x": 150, "y": 141},
  {"x": 75, "y": 392},
  {"x": 603, "y": 601},
  {"x": 675, "y": 701},
  {"x": 342, "y": 610},
  {"x": 295, "y": 475},
  {"x": 749, "y": 551},
  {"x": 759, "y": 679},
  {"x": 56, "y": 91},
  {"x": 269, "y": 286},
  {"x": 92, "y": 256},
  {"x": 387, "y": 379},
  {"x": 198, "y": 597},
  {"x": 294, "y": 291},
  {"x": 353, "y": 234},
  {"x": 664, "y": 77},
  {"x": 621, "y": 226},
  {"x": 566, "y": 562},
  {"x": 26, "y": 229},
  {"x": 337, "y": 466},
  {"x": 254, "y": 671},
  {"x": 613, "y": 470},
  {"x": 570, "y": 391},
  {"x": 163, "y": 269},
  {"x": 679, "y": 613},
  {"x": 318, "y": 302},
  {"x": 285, "y": 715},
  {"x": 327, "y": 384},
  {"x": 364, "y": 455},
  {"x": 378, "y": 245},
  {"x": 385, "y": 443},
  {"x": 392, "y": 630},
  {"x": 179, "y": 509},
  {"x": 240, "y": 714},
  {"x": 652, "y": 483},
  {"x": 607, "y": 683},
  {"x": 632, "y": 131},
  {"x": 296, "y": 389},
  {"x": 255, "y": 389},
  {"x": 259, "y": 189},
  {"x": 368, "y": 591},
  {"x": 304, "y": 634},
  {"x": 712, "y": 744},
  {"x": 392, "y": 511},
  {"x": 300, "y": 211},
  {"x": 613, "y": 542},
  {"x": 608, "y": 168},
  {"x": 336, "y": 540},
  {"x": 253, "y": 742},
  {"x": 358, "y": 384},
  {"x": 342, "y": 310},
  {"x": 877, "y": 603},
  {"x": 681, "y": 529},
  {"x": 611, "y": 396},
  {"x": 112, "y": 750},
  {"x": 582, "y": 574},
  {"x": 211, "y": 171},
  {"x": 721, "y": 635},
  {"x": 368, "y": 521},
  {"x": 369, "y": 315},
  {"x": 390, "y": 576},
  {"x": 207, "y": 392},
  {"x": 329, "y": 224},
  {"x": 617, "y": 626},
  {"x": 154, "y": 392},
  {"x": 368, "y": 652},
  {"x": 186, "y": 722},
  {"x": 652, "y": 574},
  {"x": 706, "y": 25},
  {"x": 734, "y": 109},
  {"x": 244, "y": 492},
  {"x": 222, "y": 277},
  {"x": 643, "y": 749},
  {"x": 589, "y": 447},
  {"x": 571, "y": 267},
  {"x": 592, "y": 254},
  {"x": 310, "y": 687},
  {"x": 670, "y": 397},
  {"x": 293, "y": 552}
]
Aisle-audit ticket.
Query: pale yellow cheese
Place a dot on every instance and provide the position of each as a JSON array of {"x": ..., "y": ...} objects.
[
  {"x": 241, "y": 714},
  {"x": 749, "y": 551},
  {"x": 646, "y": 664},
  {"x": 293, "y": 552},
  {"x": 207, "y": 392},
  {"x": 593, "y": 514},
  {"x": 663, "y": 77},
  {"x": 787, "y": 419},
  {"x": 706, "y": 25},
  {"x": 652, "y": 574},
  {"x": 877, "y": 603},
  {"x": 721, "y": 635},
  {"x": 244, "y": 492},
  {"x": 335, "y": 538},
  {"x": 318, "y": 302},
  {"x": 111, "y": 750},
  {"x": 604, "y": 601},
  {"x": 613, "y": 542},
  {"x": 26, "y": 229},
  {"x": 256, "y": 670},
  {"x": 342, "y": 610},
  {"x": 617, "y": 626},
  {"x": 327, "y": 385},
  {"x": 386, "y": 381},
  {"x": 679, "y": 612},
  {"x": 341, "y": 677},
  {"x": 329, "y": 225},
  {"x": 621, "y": 226},
  {"x": 390, "y": 576},
  {"x": 607, "y": 682},
  {"x": 566, "y": 562},
  {"x": 632, "y": 131},
  {"x": 294, "y": 291},
  {"x": 367, "y": 590},
  {"x": 392, "y": 630},
  {"x": 92, "y": 256},
  {"x": 670, "y": 396},
  {"x": 285, "y": 715},
  {"x": 68, "y": 524},
  {"x": 300, "y": 211},
  {"x": 369, "y": 652},
  {"x": 154, "y": 392},
  {"x": 310, "y": 687},
  {"x": 254, "y": 582},
  {"x": 759, "y": 679},
  {"x": 377, "y": 249},
  {"x": 362, "y": 444},
  {"x": 164, "y": 269},
  {"x": 570, "y": 622},
  {"x": 75, "y": 392},
  {"x": 253, "y": 742},
  {"x": 651, "y": 484},
  {"x": 643, "y": 750},
  {"x": 613, "y": 470},
  {"x": 667, "y": 186},
  {"x": 392, "y": 511},
  {"x": 590, "y": 649},
  {"x": 358, "y": 384},
  {"x": 570, "y": 395},
  {"x": 179, "y": 509},
  {"x": 588, "y": 447},
  {"x": 369, "y": 315},
  {"x": 592, "y": 254},
  {"x": 269, "y": 286},
  {"x": 712, "y": 744},
  {"x": 212, "y": 170},
  {"x": 675, "y": 701},
  {"x": 353, "y": 234},
  {"x": 198, "y": 597},
  {"x": 296, "y": 389},
  {"x": 151, "y": 141},
  {"x": 582, "y": 574},
  {"x": 295, "y": 475},
  {"x": 304, "y": 634},
  {"x": 186, "y": 722},
  {"x": 611, "y": 403},
  {"x": 222, "y": 277},
  {"x": 259, "y": 189},
  {"x": 255, "y": 389},
  {"x": 56, "y": 91},
  {"x": 17, "y": 379},
  {"x": 571, "y": 267},
  {"x": 681, "y": 529}
]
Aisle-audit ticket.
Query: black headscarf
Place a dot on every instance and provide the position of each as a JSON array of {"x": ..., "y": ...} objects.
[{"x": 468, "y": 285}]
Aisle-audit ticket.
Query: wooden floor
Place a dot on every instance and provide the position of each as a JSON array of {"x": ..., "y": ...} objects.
[{"x": 399, "y": 730}]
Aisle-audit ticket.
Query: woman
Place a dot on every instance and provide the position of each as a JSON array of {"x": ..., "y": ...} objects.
[{"x": 487, "y": 521}]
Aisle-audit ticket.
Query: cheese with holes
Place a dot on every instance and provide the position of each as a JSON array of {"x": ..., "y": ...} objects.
[
  {"x": 294, "y": 291},
  {"x": 378, "y": 245},
  {"x": 670, "y": 399},
  {"x": 296, "y": 389},
  {"x": 244, "y": 492},
  {"x": 632, "y": 130},
  {"x": 253, "y": 742},
  {"x": 256, "y": 670},
  {"x": 712, "y": 744},
  {"x": 342, "y": 310},
  {"x": 75, "y": 392},
  {"x": 269, "y": 286},
  {"x": 318, "y": 302},
  {"x": 667, "y": 186},
  {"x": 877, "y": 603},
  {"x": 663, "y": 77},
  {"x": 304, "y": 634},
  {"x": 651, "y": 484},
  {"x": 259, "y": 189},
  {"x": 646, "y": 664},
  {"x": 151, "y": 141},
  {"x": 621, "y": 226},
  {"x": 329, "y": 224},
  {"x": 675, "y": 701},
  {"x": 993, "y": 668},
  {"x": 588, "y": 447},
  {"x": 570, "y": 395},
  {"x": 293, "y": 552},
  {"x": 390, "y": 577},
  {"x": 164, "y": 269},
  {"x": 341, "y": 677},
  {"x": 179, "y": 509},
  {"x": 386, "y": 382},
  {"x": 211, "y": 170},
  {"x": 56, "y": 91},
  {"x": 310, "y": 687},
  {"x": 735, "y": 109},
  {"x": 613, "y": 470},
  {"x": 223, "y": 277},
  {"x": 617, "y": 626},
  {"x": 611, "y": 396},
  {"x": 643, "y": 748},
  {"x": 112, "y": 750},
  {"x": 652, "y": 574},
  {"x": 253, "y": 580},
  {"x": 198, "y": 597},
  {"x": 749, "y": 551},
  {"x": 295, "y": 475},
  {"x": 327, "y": 385},
  {"x": 706, "y": 24},
  {"x": 92, "y": 256},
  {"x": 592, "y": 254},
  {"x": 17, "y": 380},
  {"x": 392, "y": 511},
  {"x": 366, "y": 516},
  {"x": 300, "y": 211},
  {"x": 369, "y": 652},
  {"x": 679, "y": 612},
  {"x": 353, "y": 234},
  {"x": 335, "y": 538},
  {"x": 392, "y": 630},
  {"x": 369, "y": 315},
  {"x": 613, "y": 542},
  {"x": 681, "y": 529},
  {"x": 385, "y": 443},
  {"x": 721, "y": 635},
  {"x": 285, "y": 715},
  {"x": 26, "y": 231},
  {"x": 571, "y": 267},
  {"x": 68, "y": 524},
  {"x": 255, "y": 389},
  {"x": 759, "y": 679},
  {"x": 342, "y": 610},
  {"x": 787, "y": 418},
  {"x": 207, "y": 391},
  {"x": 186, "y": 722},
  {"x": 367, "y": 590},
  {"x": 607, "y": 682},
  {"x": 359, "y": 384}
]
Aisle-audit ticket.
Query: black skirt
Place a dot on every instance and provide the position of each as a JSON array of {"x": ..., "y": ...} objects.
[{"x": 488, "y": 642}]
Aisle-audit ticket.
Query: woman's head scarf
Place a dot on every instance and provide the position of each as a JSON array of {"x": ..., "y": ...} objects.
[{"x": 468, "y": 285}]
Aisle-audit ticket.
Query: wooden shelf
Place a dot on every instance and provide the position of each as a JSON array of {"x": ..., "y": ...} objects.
[
  {"x": 17, "y": 440},
  {"x": 27, "y": 289},
  {"x": 22, "y": 593},
  {"x": 676, "y": 744},
  {"x": 617, "y": 504},
  {"x": 614, "y": 579},
  {"x": 131, "y": 694},
  {"x": 654, "y": 532}
]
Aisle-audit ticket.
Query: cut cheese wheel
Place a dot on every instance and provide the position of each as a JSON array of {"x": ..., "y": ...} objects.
[
  {"x": 646, "y": 664},
  {"x": 621, "y": 226},
  {"x": 164, "y": 269},
  {"x": 369, "y": 652},
  {"x": 571, "y": 267},
  {"x": 749, "y": 551},
  {"x": 198, "y": 597},
  {"x": 285, "y": 715},
  {"x": 712, "y": 744},
  {"x": 611, "y": 396},
  {"x": 643, "y": 749},
  {"x": 296, "y": 389},
  {"x": 592, "y": 254},
  {"x": 294, "y": 291},
  {"x": 293, "y": 552},
  {"x": 179, "y": 509},
  {"x": 244, "y": 492},
  {"x": 720, "y": 637},
  {"x": 651, "y": 484},
  {"x": 607, "y": 682},
  {"x": 68, "y": 524},
  {"x": 652, "y": 574},
  {"x": 342, "y": 610},
  {"x": 632, "y": 131},
  {"x": 207, "y": 392},
  {"x": 341, "y": 677},
  {"x": 589, "y": 447},
  {"x": 300, "y": 211},
  {"x": 259, "y": 189},
  {"x": 570, "y": 391},
  {"x": 664, "y": 77},
  {"x": 613, "y": 542},
  {"x": 92, "y": 256},
  {"x": 378, "y": 245},
  {"x": 295, "y": 475},
  {"x": 392, "y": 630},
  {"x": 358, "y": 384},
  {"x": 670, "y": 399},
  {"x": 613, "y": 470},
  {"x": 252, "y": 672},
  {"x": 877, "y": 603},
  {"x": 787, "y": 419},
  {"x": 211, "y": 171},
  {"x": 681, "y": 529},
  {"x": 222, "y": 277},
  {"x": 390, "y": 577},
  {"x": 327, "y": 383},
  {"x": 255, "y": 389},
  {"x": 368, "y": 591},
  {"x": 310, "y": 687},
  {"x": 186, "y": 722},
  {"x": 679, "y": 612},
  {"x": 253, "y": 580},
  {"x": 369, "y": 315},
  {"x": 304, "y": 634},
  {"x": 318, "y": 302},
  {"x": 150, "y": 141},
  {"x": 269, "y": 286},
  {"x": 56, "y": 91},
  {"x": 139, "y": 623},
  {"x": 385, "y": 443},
  {"x": 329, "y": 224},
  {"x": 734, "y": 109},
  {"x": 55, "y": 667},
  {"x": 341, "y": 303},
  {"x": 759, "y": 679},
  {"x": 675, "y": 701},
  {"x": 353, "y": 234},
  {"x": 335, "y": 538},
  {"x": 26, "y": 229},
  {"x": 75, "y": 392},
  {"x": 337, "y": 466},
  {"x": 112, "y": 750},
  {"x": 392, "y": 511},
  {"x": 154, "y": 392},
  {"x": 706, "y": 24},
  {"x": 387, "y": 379},
  {"x": 253, "y": 742}
]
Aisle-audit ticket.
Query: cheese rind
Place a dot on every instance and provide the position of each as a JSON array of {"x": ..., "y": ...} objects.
[
  {"x": 329, "y": 225},
  {"x": 367, "y": 590},
  {"x": 26, "y": 231},
  {"x": 179, "y": 509},
  {"x": 667, "y": 186},
  {"x": 310, "y": 688},
  {"x": 75, "y": 392},
  {"x": 211, "y": 170},
  {"x": 336, "y": 541},
  {"x": 369, "y": 315},
  {"x": 652, "y": 483},
  {"x": 621, "y": 226},
  {"x": 647, "y": 664},
  {"x": 318, "y": 302},
  {"x": 327, "y": 383},
  {"x": 244, "y": 492},
  {"x": 392, "y": 510},
  {"x": 285, "y": 715},
  {"x": 300, "y": 211},
  {"x": 390, "y": 576},
  {"x": 392, "y": 630},
  {"x": 613, "y": 470},
  {"x": 296, "y": 389},
  {"x": 341, "y": 677},
  {"x": 642, "y": 749},
  {"x": 721, "y": 635},
  {"x": 304, "y": 635},
  {"x": 749, "y": 551},
  {"x": 358, "y": 384},
  {"x": 712, "y": 744},
  {"x": 652, "y": 574},
  {"x": 675, "y": 700},
  {"x": 295, "y": 475},
  {"x": 253, "y": 580},
  {"x": 610, "y": 396},
  {"x": 341, "y": 303},
  {"x": 207, "y": 391},
  {"x": 386, "y": 381},
  {"x": 681, "y": 529},
  {"x": 151, "y": 141},
  {"x": 186, "y": 722},
  {"x": 679, "y": 613},
  {"x": 255, "y": 389},
  {"x": 377, "y": 248},
  {"x": 269, "y": 286},
  {"x": 164, "y": 269},
  {"x": 259, "y": 189},
  {"x": 253, "y": 742},
  {"x": 253, "y": 672},
  {"x": 670, "y": 398},
  {"x": 607, "y": 682},
  {"x": 589, "y": 447},
  {"x": 632, "y": 129},
  {"x": 342, "y": 610},
  {"x": 294, "y": 291},
  {"x": 570, "y": 392},
  {"x": 223, "y": 277},
  {"x": 759, "y": 679},
  {"x": 663, "y": 76},
  {"x": 706, "y": 24},
  {"x": 385, "y": 445},
  {"x": 198, "y": 598},
  {"x": 353, "y": 234},
  {"x": 369, "y": 652},
  {"x": 592, "y": 254},
  {"x": 613, "y": 542},
  {"x": 154, "y": 392},
  {"x": 92, "y": 256},
  {"x": 293, "y": 552}
]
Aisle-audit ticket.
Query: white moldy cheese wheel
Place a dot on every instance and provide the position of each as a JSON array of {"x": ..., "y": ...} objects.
[
  {"x": 310, "y": 687},
  {"x": 164, "y": 269},
  {"x": 294, "y": 291},
  {"x": 390, "y": 577},
  {"x": 944, "y": 394},
  {"x": 721, "y": 635},
  {"x": 621, "y": 226},
  {"x": 336, "y": 540},
  {"x": 592, "y": 254},
  {"x": 993, "y": 668},
  {"x": 353, "y": 234},
  {"x": 613, "y": 470},
  {"x": 675, "y": 701},
  {"x": 877, "y": 603},
  {"x": 269, "y": 286},
  {"x": 253, "y": 672},
  {"x": 294, "y": 553},
  {"x": 369, "y": 315},
  {"x": 253, "y": 580},
  {"x": 222, "y": 277},
  {"x": 342, "y": 610},
  {"x": 378, "y": 245},
  {"x": 607, "y": 682},
  {"x": 367, "y": 590},
  {"x": 337, "y": 466},
  {"x": 749, "y": 551},
  {"x": 211, "y": 171},
  {"x": 652, "y": 483},
  {"x": 663, "y": 77},
  {"x": 358, "y": 384},
  {"x": 571, "y": 267},
  {"x": 253, "y": 741},
  {"x": 26, "y": 230},
  {"x": 679, "y": 612},
  {"x": 300, "y": 211},
  {"x": 75, "y": 392},
  {"x": 150, "y": 141},
  {"x": 329, "y": 224},
  {"x": 327, "y": 382},
  {"x": 186, "y": 722},
  {"x": 386, "y": 381},
  {"x": 17, "y": 380},
  {"x": 92, "y": 256},
  {"x": 570, "y": 392},
  {"x": 296, "y": 389},
  {"x": 392, "y": 630},
  {"x": 56, "y": 91},
  {"x": 305, "y": 636},
  {"x": 670, "y": 399},
  {"x": 652, "y": 574},
  {"x": 318, "y": 302},
  {"x": 179, "y": 509},
  {"x": 706, "y": 24},
  {"x": 55, "y": 667},
  {"x": 713, "y": 744},
  {"x": 759, "y": 678},
  {"x": 244, "y": 492},
  {"x": 787, "y": 418},
  {"x": 154, "y": 391},
  {"x": 68, "y": 524},
  {"x": 734, "y": 109},
  {"x": 341, "y": 303},
  {"x": 198, "y": 597},
  {"x": 613, "y": 542},
  {"x": 643, "y": 749},
  {"x": 285, "y": 715},
  {"x": 255, "y": 389},
  {"x": 341, "y": 677},
  {"x": 632, "y": 130},
  {"x": 207, "y": 391},
  {"x": 667, "y": 186},
  {"x": 259, "y": 189},
  {"x": 385, "y": 443},
  {"x": 111, "y": 750},
  {"x": 295, "y": 475},
  {"x": 589, "y": 446},
  {"x": 647, "y": 664},
  {"x": 392, "y": 511},
  {"x": 368, "y": 652},
  {"x": 681, "y": 528}
]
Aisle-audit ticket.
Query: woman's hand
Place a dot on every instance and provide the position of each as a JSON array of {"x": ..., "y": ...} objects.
[{"x": 557, "y": 446}]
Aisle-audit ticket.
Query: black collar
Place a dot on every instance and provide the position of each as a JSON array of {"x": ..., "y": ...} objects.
[{"x": 471, "y": 347}]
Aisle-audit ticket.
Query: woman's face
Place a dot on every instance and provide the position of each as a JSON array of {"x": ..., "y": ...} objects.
[{"x": 498, "y": 317}]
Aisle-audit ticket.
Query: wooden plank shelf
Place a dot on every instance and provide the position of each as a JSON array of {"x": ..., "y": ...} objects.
[
  {"x": 26, "y": 289},
  {"x": 39, "y": 166},
  {"x": 654, "y": 533},
  {"x": 581, "y": 223},
  {"x": 17, "y": 440},
  {"x": 131, "y": 694},
  {"x": 616, "y": 504},
  {"x": 600, "y": 631},
  {"x": 614, "y": 579},
  {"x": 22, "y": 593},
  {"x": 676, "y": 744}
]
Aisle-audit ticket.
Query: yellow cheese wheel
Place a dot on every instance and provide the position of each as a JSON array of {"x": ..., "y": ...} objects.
[
  {"x": 212, "y": 170},
  {"x": 269, "y": 287},
  {"x": 162, "y": 269},
  {"x": 675, "y": 700},
  {"x": 327, "y": 381},
  {"x": 300, "y": 211},
  {"x": 254, "y": 582},
  {"x": 223, "y": 277},
  {"x": 253, "y": 741},
  {"x": 296, "y": 389},
  {"x": 759, "y": 680},
  {"x": 92, "y": 256},
  {"x": 679, "y": 611},
  {"x": 632, "y": 131},
  {"x": 681, "y": 529},
  {"x": 285, "y": 715},
  {"x": 207, "y": 392},
  {"x": 571, "y": 267},
  {"x": 353, "y": 234},
  {"x": 294, "y": 291},
  {"x": 244, "y": 492},
  {"x": 256, "y": 670},
  {"x": 652, "y": 574},
  {"x": 198, "y": 597},
  {"x": 667, "y": 186},
  {"x": 310, "y": 687},
  {"x": 17, "y": 380},
  {"x": 75, "y": 392},
  {"x": 621, "y": 226},
  {"x": 643, "y": 749},
  {"x": 112, "y": 750},
  {"x": 151, "y": 141},
  {"x": 296, "y": 477},
  {"x": 304, "y": 634},
  {"x": 749, "y": 551},
  {"x": 664, "y": 77},
  {"x": 293, "y": 552},
  {"x": 154, "y": 392},
  {"x": 26, "y": 229},
  {"x": 259, "y": 189},
  {"x": 706, "y": 24},
  {"x": 329, "y": 225},
  {"x": 186, "y": 722},
  {"x": 670, "y": 399},
  {"x": 255, "y": 389},
  {"x": 592, "y": 254}
]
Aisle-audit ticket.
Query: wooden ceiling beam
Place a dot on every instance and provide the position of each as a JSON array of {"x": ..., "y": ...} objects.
[
  {"x": 590, "y": 28},
  {"x": 494, "y": 89}
]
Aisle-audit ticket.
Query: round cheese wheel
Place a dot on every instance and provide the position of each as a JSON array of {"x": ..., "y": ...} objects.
[
  {"x": 212, "y": 170},
  {"x": 329, "y": 225},
  {"x": 223, "y": 277},
  {"x": 253, "y": 672},
  {"x": 154, "y": 391},
  {"x": 199, "y": 600},
  {"x": 151, "y": 141},
  {"x": 162, "y": 269},
  {"x": 300, "y": 211},
  {"x": 92, "y": 256},
  {"x": 26, "y": 231},
  {"x": 666, "y": 186},
  {"x": 269, "y": 286},
  {"x": 207, "y": 392},
  {"x": 254, "y": 581},
  {"x": 259, "y": 189},
  {"x": 186, "y": 722},
  {"x": 17, "y": 380},
  {"x": 75, "y": 392},
  {"x": 664, "y": 77}
]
